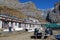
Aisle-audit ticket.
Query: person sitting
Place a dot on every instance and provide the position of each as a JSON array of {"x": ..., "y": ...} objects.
[
  {"x": 48, "y": 31},
  {"x": 36, "y": 31},
  {"x": 51, "y": 31},
  {"x": 39, "y": 32}
]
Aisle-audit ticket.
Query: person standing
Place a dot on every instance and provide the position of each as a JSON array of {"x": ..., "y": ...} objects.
[
  {"x": 36, "y": 32},
  {"x": 10, "y": 27}
]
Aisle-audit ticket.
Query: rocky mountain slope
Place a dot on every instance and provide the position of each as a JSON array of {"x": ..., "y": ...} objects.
[
  {"x": 54, "y": 14},
  {"x": 11, "y": 12},
  {"x": 27, "y": 8}
]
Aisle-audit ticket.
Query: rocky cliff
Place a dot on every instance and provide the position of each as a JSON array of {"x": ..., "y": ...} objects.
[
  {"x": 27, "y": 8},
  {"x": 11, "y": 12}
]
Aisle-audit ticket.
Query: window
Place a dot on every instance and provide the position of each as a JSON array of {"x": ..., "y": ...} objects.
[
  {"x": 19, "y": 25},
  {"x": 5, "y": 24},
  {"x": 15, "y": 24}
]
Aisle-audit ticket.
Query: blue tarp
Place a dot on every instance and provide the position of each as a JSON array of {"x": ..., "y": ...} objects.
[{"x": 58, "y": 36}]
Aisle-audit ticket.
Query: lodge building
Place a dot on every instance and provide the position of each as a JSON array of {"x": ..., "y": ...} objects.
[{"x": 12, "y": 18}]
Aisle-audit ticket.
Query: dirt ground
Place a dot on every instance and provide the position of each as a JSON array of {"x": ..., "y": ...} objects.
[{"x": 26, "y": 36}]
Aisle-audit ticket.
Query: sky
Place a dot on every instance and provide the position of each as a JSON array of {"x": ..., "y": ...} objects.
[{"x": 42, "y": 4}]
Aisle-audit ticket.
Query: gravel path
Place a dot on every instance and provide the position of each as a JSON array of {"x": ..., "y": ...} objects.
[{"x": 22, "y": 36}]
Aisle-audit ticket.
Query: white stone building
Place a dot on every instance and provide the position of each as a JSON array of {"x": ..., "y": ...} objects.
[
  {"x": 6, "y": 22},
  {"x": 31, "y": 24}
]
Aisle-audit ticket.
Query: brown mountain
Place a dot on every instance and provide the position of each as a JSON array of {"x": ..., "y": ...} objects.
[
  {"x": 11, "y": 12},
  {"x": 27, "y": 8}
]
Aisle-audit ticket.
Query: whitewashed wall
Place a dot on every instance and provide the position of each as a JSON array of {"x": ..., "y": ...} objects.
[
  {"x": 10, "y": 25},
  {"x": 27, "y": 26},
  {"x": 16, "y": 27},
  {"x": 0, "y": 24},
  {"x": 23, "y": 26}
]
